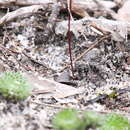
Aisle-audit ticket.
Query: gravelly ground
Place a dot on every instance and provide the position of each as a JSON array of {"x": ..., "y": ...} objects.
[{"x": 100, "y": 71}]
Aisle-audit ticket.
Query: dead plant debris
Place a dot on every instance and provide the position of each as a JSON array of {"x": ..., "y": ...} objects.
[{"x": 34, "y": 41}]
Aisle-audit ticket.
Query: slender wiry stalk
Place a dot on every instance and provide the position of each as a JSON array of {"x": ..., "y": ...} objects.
[{"x": 69, "y": 37}]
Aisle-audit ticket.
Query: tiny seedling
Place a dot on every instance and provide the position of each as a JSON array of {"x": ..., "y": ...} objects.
[{"x": 14, "y": 86}]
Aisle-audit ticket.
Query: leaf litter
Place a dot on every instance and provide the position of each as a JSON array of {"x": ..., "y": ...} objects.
[{"x": 104, "y": 69}]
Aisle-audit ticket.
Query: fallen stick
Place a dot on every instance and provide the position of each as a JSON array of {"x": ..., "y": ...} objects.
[
  {"x": 104, "y": 96},
  {"x": 21, "y": 12},
  {"x": 117, "y": 29},
  {"x": 86, "y": 51},
  {"x": 25, "y": 2}
]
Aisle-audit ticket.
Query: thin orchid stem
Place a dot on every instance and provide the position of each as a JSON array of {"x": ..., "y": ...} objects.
[{"x": 69, "y": 38}]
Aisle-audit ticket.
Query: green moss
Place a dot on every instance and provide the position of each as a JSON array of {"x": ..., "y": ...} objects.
[
  {"x": 115, "y": 122},
  {"x": 14, "y": 86},
  {"x": 68, "y": 119},
  {"x": 94, "y": 119}
]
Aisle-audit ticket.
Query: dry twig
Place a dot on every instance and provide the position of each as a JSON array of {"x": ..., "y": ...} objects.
[
  {"x": 86, "y": 51},
  {"x": 21, "y": 12},
  {"x": 25, "y": 2}
]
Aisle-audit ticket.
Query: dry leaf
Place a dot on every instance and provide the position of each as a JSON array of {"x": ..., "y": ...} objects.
[
  {"x": 124, "y": 12},
  {"x": 120, "y": 2},
  {"x": 79, "y": 9},
  {"x": 50, "y": 88},
  {"x": 107, "y": 4}
]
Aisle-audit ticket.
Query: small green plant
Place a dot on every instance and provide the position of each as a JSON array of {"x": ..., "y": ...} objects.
[
  {"x": 68, "y": 119},
  {"x": 14, "y": 86}
]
